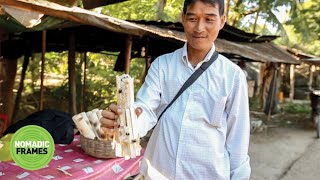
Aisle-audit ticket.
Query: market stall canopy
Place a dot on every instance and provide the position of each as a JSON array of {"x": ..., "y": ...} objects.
[
  {"x": 262, "y": 52},
  {"x": 228, "y": 32},
  {"x": 97, "y": 32},
  {"x": 73, "y": 14},
  {"x": 237, "y": 44}
]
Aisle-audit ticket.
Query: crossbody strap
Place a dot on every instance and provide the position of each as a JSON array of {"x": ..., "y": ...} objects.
[{"x": 192, "y": 79}]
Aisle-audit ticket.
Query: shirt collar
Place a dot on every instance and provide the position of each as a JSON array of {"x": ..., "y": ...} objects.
[{"x": 207, "y": 58}]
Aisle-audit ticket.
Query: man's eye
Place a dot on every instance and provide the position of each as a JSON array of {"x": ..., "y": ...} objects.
[
  {"x": 192, "y": 19},
  {"x": 210, "y": 20}
]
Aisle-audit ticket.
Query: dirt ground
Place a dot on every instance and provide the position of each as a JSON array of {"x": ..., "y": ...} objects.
[{"x": 276, "y": 149}]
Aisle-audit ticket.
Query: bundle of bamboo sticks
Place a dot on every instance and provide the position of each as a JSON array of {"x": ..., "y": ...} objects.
[
  {"x": 88, "y": 123},
  {"x": 126, "y": 140}
]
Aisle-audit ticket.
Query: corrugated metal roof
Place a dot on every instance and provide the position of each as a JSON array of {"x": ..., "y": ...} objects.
[
  {"x": 227, "y": 32},
  {"x": 257, "y": 51},
  {"x": 313, "y": 61},
  {"x": 263, "y": 52},
  {"x": 254, "y": 51},
  {"x": 272, "y": 52},
  {"x": 83, "y": 16}
]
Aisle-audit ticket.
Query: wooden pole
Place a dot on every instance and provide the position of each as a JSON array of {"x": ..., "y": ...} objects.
[
  {"x": 21, "y": 84},
  {"x": 146, "y": 60},
  {"x": 72, "y": 74},
  {"x": 273, "y": 93},
  {"x": 7, "y": 100},
  {"x": 127, "y": 55},
  {"x": 291, "y": 94},
  {"x": 44, "y": 42},
  {"x": 83, "y": 104},
  {"x": 311, "y": 70}
]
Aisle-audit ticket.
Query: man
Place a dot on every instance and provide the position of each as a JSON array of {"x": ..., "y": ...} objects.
[{"x": 205, "y": 133}]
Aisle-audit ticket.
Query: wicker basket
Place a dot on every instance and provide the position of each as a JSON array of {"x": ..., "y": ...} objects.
[{"x": 97, "y": 148}]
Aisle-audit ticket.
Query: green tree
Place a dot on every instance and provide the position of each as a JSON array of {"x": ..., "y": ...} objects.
[
  {"x": 264, "y": 9},
  {"x": 166, "y": 10},
  {"x": 306, "y": 26}
]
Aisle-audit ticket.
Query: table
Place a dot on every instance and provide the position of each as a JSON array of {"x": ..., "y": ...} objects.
[{"x": 76, "y": 164}]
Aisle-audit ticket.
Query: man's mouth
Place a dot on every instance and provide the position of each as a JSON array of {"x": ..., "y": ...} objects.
[{"x": 198, "y": 36}]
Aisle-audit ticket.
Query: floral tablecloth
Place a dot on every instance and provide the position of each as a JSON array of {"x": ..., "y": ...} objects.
[{"x": 71, "y": 162}]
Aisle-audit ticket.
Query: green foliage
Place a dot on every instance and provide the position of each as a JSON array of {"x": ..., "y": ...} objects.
[
  {"x": 299, "y": 41},
  {"x": 255, "y": 104},
  {"x": 145, "y": 10},
  {"x": 100, "y": 81},
  {"x": 295, "y": 108},
  {"x": 243, "y": 10},
  {"x": 301, "y": 31},
  {"x": 305, "y": 27},
  {"x": 307, "y": 20},
  {"x": 133, "y": 10}
]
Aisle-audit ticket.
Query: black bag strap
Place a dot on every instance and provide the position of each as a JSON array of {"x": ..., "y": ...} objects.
[{"x": 192, "y": 79}]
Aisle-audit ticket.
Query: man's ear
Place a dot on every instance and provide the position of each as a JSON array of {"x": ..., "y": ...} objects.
[
  {"x": 182, "y": 18},
  {"x": 222, "y": 21}
]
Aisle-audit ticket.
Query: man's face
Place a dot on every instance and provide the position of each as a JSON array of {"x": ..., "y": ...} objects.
[{"x": 202, "y": 23}]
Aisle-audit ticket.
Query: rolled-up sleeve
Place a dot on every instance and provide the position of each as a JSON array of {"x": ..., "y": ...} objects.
[
  {"x": 238, "y": 129},
  {"x": 148, "y": 98}
]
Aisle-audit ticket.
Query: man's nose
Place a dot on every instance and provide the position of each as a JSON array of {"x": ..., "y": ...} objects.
[{"x": 199, "y": 26}]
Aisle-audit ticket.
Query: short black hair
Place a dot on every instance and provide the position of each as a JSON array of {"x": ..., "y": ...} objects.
[{"x": 220, "y": 3}]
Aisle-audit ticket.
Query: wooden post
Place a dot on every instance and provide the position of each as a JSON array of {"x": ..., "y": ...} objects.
[
  {"x": 44, "y": 42},
  {"x": 83, "y": 104},
  {"x": 312, "y": 69},
  {"x": 273, "y": 91},
  {"x": 21, "y": 84},
  {"x": 9, "y": 74},
  {"x": 146, "y": 60},
  {"x": 72, "y": 74},
  {"x": 127, "y": 55},
  {"x": 291, "y": 94}
]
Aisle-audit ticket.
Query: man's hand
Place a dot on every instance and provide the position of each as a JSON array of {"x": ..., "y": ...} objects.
[{"x": 109, "y": 117}]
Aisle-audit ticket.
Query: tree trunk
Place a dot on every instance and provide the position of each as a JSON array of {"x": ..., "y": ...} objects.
[
  {"x": 227, "y": 9},
  {"x": 8, "y": 75},
  {"x": 255, "y": 23},
  {"x": 161, "y": 5},
  {"x": 236, "y": 9}
]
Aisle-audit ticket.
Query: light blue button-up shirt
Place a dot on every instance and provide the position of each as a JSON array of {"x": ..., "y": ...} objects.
[{"x": 205, "y": 133}]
